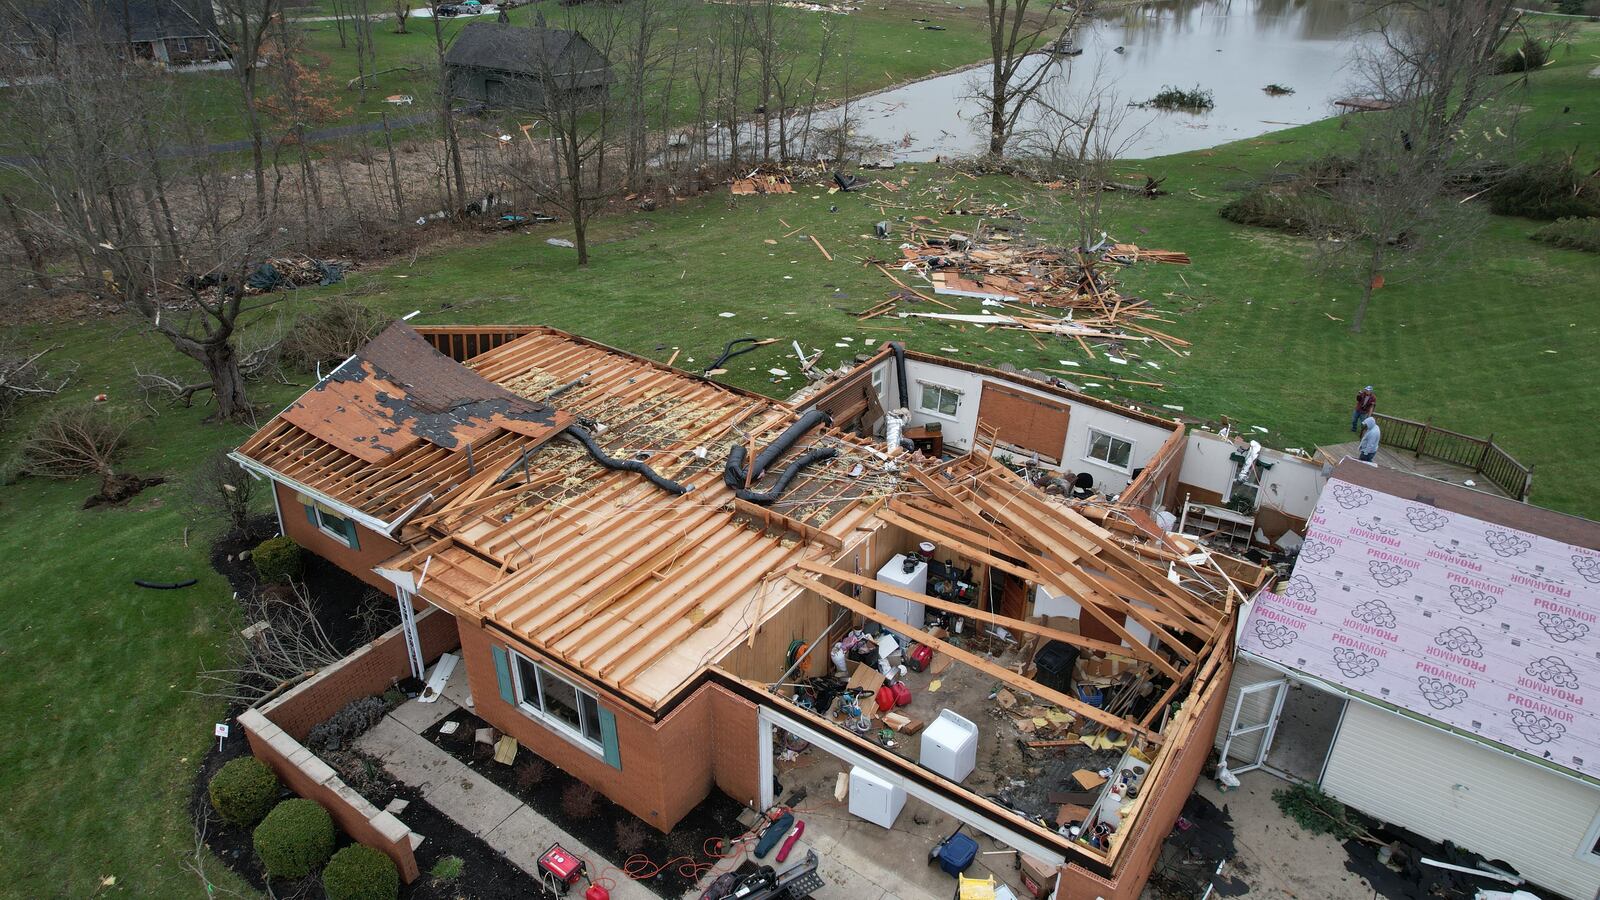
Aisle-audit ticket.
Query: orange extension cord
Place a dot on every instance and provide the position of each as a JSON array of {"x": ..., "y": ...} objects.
[{"x": 713, "y": 854}]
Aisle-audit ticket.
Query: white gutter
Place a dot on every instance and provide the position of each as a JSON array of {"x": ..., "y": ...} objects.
[{"x": 372, "y": 523}]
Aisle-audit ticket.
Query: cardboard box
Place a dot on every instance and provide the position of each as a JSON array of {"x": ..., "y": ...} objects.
[
  {"x": 1088, "y": 779},
  {"x": 1038, "y": 877},
  {"x": 1071, "y": 812}
]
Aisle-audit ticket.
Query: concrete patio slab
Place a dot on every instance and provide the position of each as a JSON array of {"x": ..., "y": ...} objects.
[
  {"x": 419, "y": 716},
  {"x": 471, "y": 799}
]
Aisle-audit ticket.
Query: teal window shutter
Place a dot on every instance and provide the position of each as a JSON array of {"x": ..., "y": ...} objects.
[
  {"x": 350, "y": 534},
  {"x": 311, "y": 513},
  {"x": 502, "y": 672},
  {"x": 608, "y": 738}
]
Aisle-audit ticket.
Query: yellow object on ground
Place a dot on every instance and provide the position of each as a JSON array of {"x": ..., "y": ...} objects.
[
  {"x": 976, "y": 888},
  {"x": 1103, "y": 742}
]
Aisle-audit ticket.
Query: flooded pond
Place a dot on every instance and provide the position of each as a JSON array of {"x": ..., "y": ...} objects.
[{"x": 1233, "y": 48}]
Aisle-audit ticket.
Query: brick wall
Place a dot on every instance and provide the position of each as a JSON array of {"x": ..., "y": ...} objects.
[
  {"x": 735, "y": 751},
  {"x": 371, "y": 670},
  {"x": 276, "y": 730},
  {"x": 667, "y": 767},
  {"x": 313, "y": 779},
  {"x": 374, "y": 549},
  {"x": 1154, "y": 823}
]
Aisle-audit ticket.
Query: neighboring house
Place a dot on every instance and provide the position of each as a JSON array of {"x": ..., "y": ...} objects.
[
  {"x": 629, "y": 605},
  {"x": 513, "y": 67},
  {"x": 1430, "y": 663},
  {"x": 172, "y": 32}
]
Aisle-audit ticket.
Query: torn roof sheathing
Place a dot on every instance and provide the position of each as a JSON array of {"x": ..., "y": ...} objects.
[
  {"x": 634, "y": 587},
  {"x": 398, "y": 391},
  {"x": 1448, "y": 611}
]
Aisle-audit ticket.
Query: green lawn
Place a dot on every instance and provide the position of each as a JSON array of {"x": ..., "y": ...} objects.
[{"x": 103, "y": 736}]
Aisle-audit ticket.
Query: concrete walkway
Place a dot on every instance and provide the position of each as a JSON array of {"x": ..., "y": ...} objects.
[{"x": 505, "y": 823}]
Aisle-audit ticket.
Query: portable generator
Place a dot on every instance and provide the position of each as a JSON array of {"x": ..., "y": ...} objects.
[{"x": 559, "y": 870}]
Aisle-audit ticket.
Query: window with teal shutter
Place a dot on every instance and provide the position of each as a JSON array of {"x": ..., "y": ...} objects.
[
  {"x": 502, "y": 673},
  {"x": 608, "y": 739}
]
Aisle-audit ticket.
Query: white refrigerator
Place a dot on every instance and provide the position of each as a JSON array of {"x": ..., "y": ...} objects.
[{"x": 915, "y": 582}]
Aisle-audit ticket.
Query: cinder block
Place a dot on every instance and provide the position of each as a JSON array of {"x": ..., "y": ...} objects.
[{"x": 393, "y": 830}]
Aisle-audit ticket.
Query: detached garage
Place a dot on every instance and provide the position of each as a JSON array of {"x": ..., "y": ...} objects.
[{"x": 1434, "y": 662}]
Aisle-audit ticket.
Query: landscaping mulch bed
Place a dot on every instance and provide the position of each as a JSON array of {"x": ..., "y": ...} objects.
[
  {"x": 350, "y": 611},
  {"x": 608, "y": 830},
  {"x": 485, "y": 874}
]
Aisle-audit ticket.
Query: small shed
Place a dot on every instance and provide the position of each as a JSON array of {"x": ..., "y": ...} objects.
[
  {"x": 1431, "y": 662},
  {"x": 515, "y": 67}
]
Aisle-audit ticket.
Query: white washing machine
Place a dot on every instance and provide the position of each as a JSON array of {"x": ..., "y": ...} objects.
[
  {"x": 950, "y": 746},
  {"x": 874, "y": 799}
]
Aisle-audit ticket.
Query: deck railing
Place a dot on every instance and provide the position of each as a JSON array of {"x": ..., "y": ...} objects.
[{"x": 1481, "y": 455}]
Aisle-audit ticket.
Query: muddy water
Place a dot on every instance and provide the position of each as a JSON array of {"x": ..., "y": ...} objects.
[{"x": 1234, "y": 48}]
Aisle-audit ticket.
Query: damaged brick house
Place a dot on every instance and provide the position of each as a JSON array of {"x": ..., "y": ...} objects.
[{"x": 631, "y": 557}]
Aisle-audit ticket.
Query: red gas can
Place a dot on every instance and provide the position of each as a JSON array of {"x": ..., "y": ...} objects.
[
  {"x": 596, "y": 892},
  {"x": 886, "y": 699},
  {"x": 902, "y": 694}
]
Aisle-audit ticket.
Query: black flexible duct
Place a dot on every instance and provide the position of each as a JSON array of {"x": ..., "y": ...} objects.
[
  {"x": 729, "y": 353},
  {"x": 784, "y": 441},
  {"x": 734, "y": 474},
  {"x": 767, "y": 497},
  {"x": 627, "y": 465},
  {"x": 900, "y": 373}
]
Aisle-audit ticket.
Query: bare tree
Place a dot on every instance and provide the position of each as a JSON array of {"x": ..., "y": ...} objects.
[
  {"x": 247, "y": 29},
  {"x": 574, "y": 167},
  {"x": 402, "y": 11},
  {"x": 447, "y": 122},
  {"x": 220, "y": 488},
  {"x": 1076, "y": 137},
  {"x": 1434, "y": 66},
  {"x": 283, "y": 644},
  {"x": 1018, "y": 31}
]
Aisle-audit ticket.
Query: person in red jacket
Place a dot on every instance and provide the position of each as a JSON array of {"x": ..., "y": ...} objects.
[{"x": 1366, "y": 402}]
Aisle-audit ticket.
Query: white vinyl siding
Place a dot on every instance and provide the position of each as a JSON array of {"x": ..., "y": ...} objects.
[{"x": 1447, "y": 788}]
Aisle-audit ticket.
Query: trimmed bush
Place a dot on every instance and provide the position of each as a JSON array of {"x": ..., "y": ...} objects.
[
  {"x": 1547, "y": 189},
  {"x": 243, "y": 790},
  {"x": 295, "y": 839},
  {"x": 359, "y": 872},
  {"x": 278, "y": 559},
  {"x": 1572, "y": 233}
]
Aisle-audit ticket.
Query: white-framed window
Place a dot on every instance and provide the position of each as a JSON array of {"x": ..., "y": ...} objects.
[
  {"x": 330, "y": 523},
  {"x": 939, "y": 400},
  {"x": 1110, "y": 450},
  {"x": 568, "y": 709},
  {"x": 337, "y": 527},
  {"x": 877, "y": 382}
]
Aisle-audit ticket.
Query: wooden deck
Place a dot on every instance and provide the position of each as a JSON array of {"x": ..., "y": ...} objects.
[{"x": 1407, "y": 461}]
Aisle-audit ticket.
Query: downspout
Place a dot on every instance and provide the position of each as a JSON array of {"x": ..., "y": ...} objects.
[{"x": 900, "y": 373}]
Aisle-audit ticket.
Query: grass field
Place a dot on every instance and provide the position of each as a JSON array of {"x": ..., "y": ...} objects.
[
  {"x": 884, "y": 46},
  {"x": 103, "y": 736}
]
